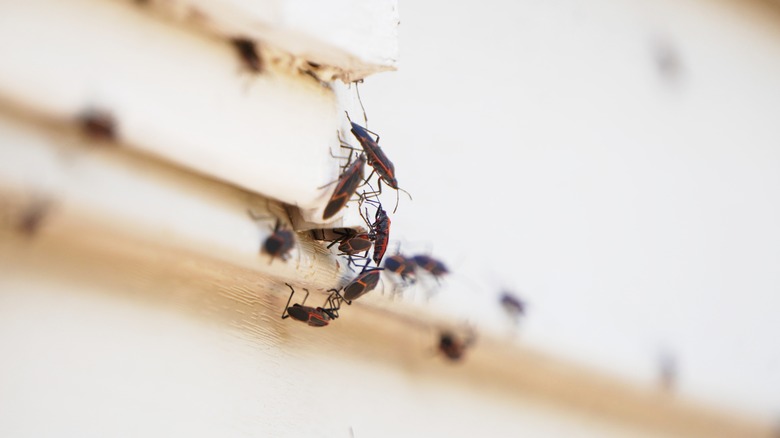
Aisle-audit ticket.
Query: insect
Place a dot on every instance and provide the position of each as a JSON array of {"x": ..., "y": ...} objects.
[
  {"x": 248, "y": 52},
  {"x": 279, "y": 243},
  {"x": 380, "y": 230},
  {"x": 377, "y": 159},
  {"x": 430, "y": 264},
  {"x": 513, "y": 305},
  {"x": 33, "y": 217},
  {"x": 401, "y": 265},
  {"x": 98, "y": 125},
  {"x": 365, "y": 282},
  {"x": 352, "y": 243},
  {"x": 453, "y": 347},
  {"x": 347, "y": 184},
  {"x": 313, "y": 316}
]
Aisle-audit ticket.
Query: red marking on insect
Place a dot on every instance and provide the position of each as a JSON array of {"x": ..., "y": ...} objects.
[
  {"x": 351, "y": 243},
  {"x": 453, "y": 347},
  {"x": 380, "y": 231},
  {"x": 247, "y": 50},
  {"x": 364, "y": 283},
  {"x": 347, "y": 184},
  {"x": 313, "y": 316},
  {"x": 401, "y": 265},
  {"x": 360, "y": 242},
  {"x": 279, "y": 243},
  {"x": 98, "y": 124},
  {"x": 430, "y": 264},
  {"x": 377, "y": 159}
]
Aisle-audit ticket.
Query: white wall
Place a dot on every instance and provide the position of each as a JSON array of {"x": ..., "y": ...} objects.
[{"x": 634, "y": 206}]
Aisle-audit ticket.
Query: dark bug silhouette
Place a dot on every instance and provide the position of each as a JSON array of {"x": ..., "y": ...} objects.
[
  {"x": 364, "y": 283},
  {"x": 33, "y": 217},
  {"x": 401, "y": 265},
  {"x": 279, "y": 243},
  {"x": 313, "y": 316},
  {"x": 431, "y": 265},
  {"x": 377, "y": 159},
  {"x": 98, "y": 125},
  {"x": 514, "y": 306},
  {"x": 380, "y": 232},
  {"x": 453, "y": 347},
  {"x": 247, "y": 50},
  {"x": 346, "y": 186},
  {"x": 351, "y": 243}
]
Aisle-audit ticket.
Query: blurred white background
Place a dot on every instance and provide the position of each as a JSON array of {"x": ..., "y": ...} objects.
[{"x": 613, "y": 162}]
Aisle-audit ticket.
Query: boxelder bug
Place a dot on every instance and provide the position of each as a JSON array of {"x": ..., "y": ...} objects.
[
  {"x": 313, "y": 316},
  {"x": 365, "y": 282},
  {"x": 248, "y": 53},
  {"x": 513, "y": 305},
  {"x": 98, "y": 125},
  {"x": 452, "y": 347},
  {"x": 279, "y": 243},
  {"x": 351, "y": 243},
  {"x": 401, "y": 265},
  {"x": 430, "y": 264},
  {"x": 380, "y": 230},
  {"x": 347, "y": 184},
  {"x": 377, "y": 159}
]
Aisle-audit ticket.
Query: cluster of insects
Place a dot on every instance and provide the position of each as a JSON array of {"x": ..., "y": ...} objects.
[{"x": 365, "y": 249}]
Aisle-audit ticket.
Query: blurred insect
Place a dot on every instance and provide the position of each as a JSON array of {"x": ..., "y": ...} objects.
[
  {"x": 667, "y": 370},
  {"x": 364, "y": 283},
  {"x": 98, "y": 124},
  {"x": 247, "y": 50},
  {"x": 431, "y": 265},
  {"x": 348, "y": 182},
  {"x": 401, "y": 265},
  {"x": 453, "y": 347},
  {"x": 33, "y": 217},
  {"x": 377, "y": 159},
  {"x": 279, "y": 243},
  {"x": 513, "y": 305},
  {"x": 313, "y": 316}
]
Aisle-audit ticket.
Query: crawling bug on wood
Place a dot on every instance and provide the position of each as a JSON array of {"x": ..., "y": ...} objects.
[
  {"x": 377, "y": 159},
  {"x": 364, "y": 283},
  {"x": 431, "y": 265},
  {"x": 313, "y": 316},
  {"x": 247, "y": 50},
  {"x": 453, "y": 347},
  {"x": 98, "y": 125},
  {"x": 348, "y": 182},
  {"x": 352, "y": 243},
  {"x": 33, "y": 217},
  {"x": 279, "y": 243}
]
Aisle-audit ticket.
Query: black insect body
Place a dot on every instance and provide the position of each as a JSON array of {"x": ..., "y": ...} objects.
[
  {"x": 401, "y": 265},
  {"x": 365, "y": 282},
  {"x": 279, "y": 243},
  {"x": 453, "y": 347},
  {"x": 99, "y": 125},
  {"x": 247, "y": 50},
  {"x": 380, "y": 232},
  {"x": 313, "y": 316},
  {"x": 431, "y": 265},
  {"x": 347, "y": 184},
  {"x": 513, "y": 305},
  {"x": 377, "y": 159}
]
